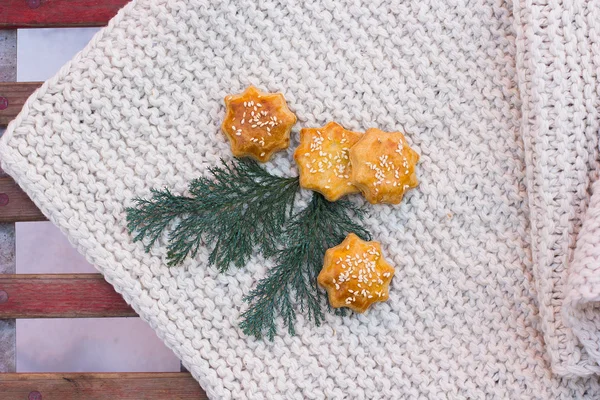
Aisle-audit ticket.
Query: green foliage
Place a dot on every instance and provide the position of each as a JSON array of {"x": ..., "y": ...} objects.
[
  {"x": 292, "y": 283},
  {"x": 237, "y": 208}
]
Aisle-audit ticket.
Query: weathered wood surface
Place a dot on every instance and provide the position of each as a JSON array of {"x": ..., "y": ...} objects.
[
  {"x": 57, "y": 13},
  {"x": 60, "y": 296},
  {"x": 15, "y": 205},
  {"x": 100, "y": 386},
  {"x": 8, "y": 336}
]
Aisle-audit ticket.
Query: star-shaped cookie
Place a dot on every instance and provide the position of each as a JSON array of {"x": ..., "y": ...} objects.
[
  {"x": 383, "y": 166},
  {"x": 257, "y": 124},
  {"x": 355, "y": 274},
  {"x": 323, "y": 161}
]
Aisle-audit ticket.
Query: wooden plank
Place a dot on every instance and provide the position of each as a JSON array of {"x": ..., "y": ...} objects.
[
  {"x": 12, "y": 98},
  {"x": 60, "y": 296},
  {"x": 15, "y": 205},
  {"x": 57, "y": 13},
  {"x": 8, "y": 329},
  {"x": 101, "y": 386}
]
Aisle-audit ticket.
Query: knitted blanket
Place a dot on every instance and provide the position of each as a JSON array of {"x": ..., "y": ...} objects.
[{"x": 497, "y": 252}]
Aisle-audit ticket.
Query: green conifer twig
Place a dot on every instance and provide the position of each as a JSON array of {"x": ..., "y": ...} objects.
[{"x": 240, "y": 207}]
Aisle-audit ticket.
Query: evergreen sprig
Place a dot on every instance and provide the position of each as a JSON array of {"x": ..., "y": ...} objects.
[
  {"x": 292, "y": 283},
  {"x": 238, "y": 207}
]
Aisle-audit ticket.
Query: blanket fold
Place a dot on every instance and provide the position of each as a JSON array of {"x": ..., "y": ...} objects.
[{"x": 558, "y": 65}]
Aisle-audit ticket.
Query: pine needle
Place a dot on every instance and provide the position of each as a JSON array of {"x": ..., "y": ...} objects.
[
  {"x": 238, "y": 208},
  {"x": 292, "y": 284}
]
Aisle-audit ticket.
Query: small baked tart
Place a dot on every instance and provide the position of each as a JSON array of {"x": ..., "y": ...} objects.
[
  {"x": 257, "y": 124},
  {"x": 323, "y": 160},
  {"x": 355, "y": 274},
  {"x": 383, "y": 166}
]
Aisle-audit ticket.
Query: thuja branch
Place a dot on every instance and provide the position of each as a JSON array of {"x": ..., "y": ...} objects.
[
  {"x": 291, "y": 285},
  {"x": 238, "y": 207}
]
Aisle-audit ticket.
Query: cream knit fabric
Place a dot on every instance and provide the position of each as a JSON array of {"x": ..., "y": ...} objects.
[
  {"x": 558, "y": 66},
  {"x": 497, "y": 252}
]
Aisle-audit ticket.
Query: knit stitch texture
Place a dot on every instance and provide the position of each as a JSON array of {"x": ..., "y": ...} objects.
[{"x": 497, "y": 252}]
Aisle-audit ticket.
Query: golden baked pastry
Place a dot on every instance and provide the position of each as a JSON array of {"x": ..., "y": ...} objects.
[
  {"x": 355, "y": 274},
  {"x": 383, "y": 166},
  {"x": 323, "y": 161},
  {"x": 257, "y": 124}
]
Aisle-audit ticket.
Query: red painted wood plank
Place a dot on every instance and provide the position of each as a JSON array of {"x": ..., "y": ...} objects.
[
  {"x": 101, "y": 386},
  {"x": 60, "y": 296},
  {"x": 15, "y": 205},
  {"x": 57, "y": 13}
]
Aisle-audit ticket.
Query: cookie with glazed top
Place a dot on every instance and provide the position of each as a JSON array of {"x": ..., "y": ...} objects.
[
  {"x": 257, "y": 124},
  {"x": 323, "y": 160},
  {"x": 383, "y": 166},
  {"x": 355, "y": 274}
]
